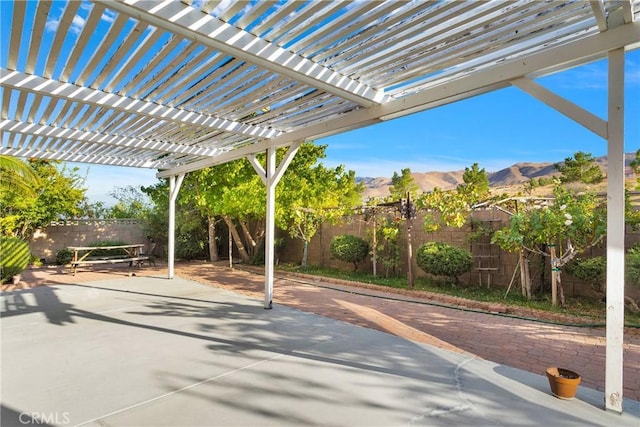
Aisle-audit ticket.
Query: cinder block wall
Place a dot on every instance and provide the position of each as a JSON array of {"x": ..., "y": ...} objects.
[{"x": 46, "y": 242}]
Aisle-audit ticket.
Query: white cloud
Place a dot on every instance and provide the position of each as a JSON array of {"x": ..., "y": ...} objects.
[
  {"x": 77, "y": 24},
  {"x": 102, "y": 180},
  {"x": 594, "y": 76},
  {"x": 108, "y": 16},
  {"x": 52, "y": 24},
  {"x": 632, "y": 75}
]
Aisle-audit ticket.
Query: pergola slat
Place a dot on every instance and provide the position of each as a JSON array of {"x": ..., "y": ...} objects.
[
  {"x": 40, "y": 20},
  {"x": 19, "y": 10},
  {"x": 85, "y": 95},
  {"x": 51, "y": 154},
  {"x": 112, "y": 140},
  {"x": 62, "y": 31},
  {"x": 82, "y": 41},
  {"x": 191, "y": 23}
]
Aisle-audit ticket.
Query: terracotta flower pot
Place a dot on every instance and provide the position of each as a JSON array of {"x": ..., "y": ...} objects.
[{"x": 563, "y": 382}]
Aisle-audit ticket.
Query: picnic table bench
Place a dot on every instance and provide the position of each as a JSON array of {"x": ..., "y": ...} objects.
[{"x": 82, "y": 255}]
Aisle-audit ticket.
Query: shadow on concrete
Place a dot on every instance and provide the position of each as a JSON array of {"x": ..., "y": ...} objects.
[
  {"x": 297, "y": 359},
  {"x": 13, "y": 418}
]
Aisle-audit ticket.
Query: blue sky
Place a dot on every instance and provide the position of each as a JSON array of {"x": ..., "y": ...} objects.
[{"x": 496, "y": 130}]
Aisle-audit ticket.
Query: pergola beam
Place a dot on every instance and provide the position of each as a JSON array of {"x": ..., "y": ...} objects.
[
  {"x": 193, "y": 24},
  {"x": 581, "y": 116}
]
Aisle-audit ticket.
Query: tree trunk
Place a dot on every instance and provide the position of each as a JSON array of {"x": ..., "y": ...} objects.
[
  {"x": 556, "y": 285},
  {"x": 560, "y": 290},
  {"x": 236, "y": 238},
  {"x": 305, "y": 254},
  {"x": 249, "y": 238},
  {"x": 260, "y": 243},
  {"x": 525, "y": 275},
  {"x": 230, "y": 249},
  {"x": 374, "y": 257},
  {"x": 213, "y": 247},
  {"x": 410, "y": 256}
]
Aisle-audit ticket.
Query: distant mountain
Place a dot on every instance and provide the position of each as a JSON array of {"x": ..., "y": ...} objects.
[
  {"x": 521, "y": 173},
  {"x": 513, "y": 175}
]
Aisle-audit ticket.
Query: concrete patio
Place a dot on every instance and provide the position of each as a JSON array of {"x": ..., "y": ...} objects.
[{"x": 149, "y": 351}]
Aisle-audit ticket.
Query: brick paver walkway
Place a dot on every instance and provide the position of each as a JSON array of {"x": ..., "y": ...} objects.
[{"x": 520, "y": 343}]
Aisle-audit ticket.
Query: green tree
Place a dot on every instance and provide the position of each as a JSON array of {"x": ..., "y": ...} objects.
[
  {"x": 453, "y": 208},
  {"x": 632, "y": 261},
  {"x": 403, "y": 184},
  {"x": 311, "y": 194},
  {"x": 441, "y": 259},
  {"x": 308, "y": 194},
  {"x": 444, "y": 207},
  {"x": 57, "y": 193},
  {"x": 132, "y": 203},
  {"x": 349, "y": 248},
  {"x": 581, "y": 167},
  {"x": 566, "y": 228},
  {"x": 476, "y": 182},
  {"x": 190, "y": 232},
  {"x": 591, "y": 270},
  {"x": 15, "y": 256},
  {"x": 635, "y": 166},
  {"x": 234, "y": 193},
  {"x": 384, "y": 234},
  {"x": 96, "y": 209},
  {"x": 16, "y": 175}
]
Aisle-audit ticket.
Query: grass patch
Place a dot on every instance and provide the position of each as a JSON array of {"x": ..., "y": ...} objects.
[{"x": 574, "y": 306}]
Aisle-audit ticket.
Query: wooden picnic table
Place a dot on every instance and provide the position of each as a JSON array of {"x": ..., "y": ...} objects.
[{"x": 84, "y": 255}]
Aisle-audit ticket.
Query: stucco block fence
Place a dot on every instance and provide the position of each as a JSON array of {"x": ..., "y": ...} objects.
[
  {"x": 492, "y": 266},
  {"x": 46, "y": 242}
]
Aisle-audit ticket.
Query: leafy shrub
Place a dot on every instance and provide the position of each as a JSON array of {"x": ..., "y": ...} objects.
[
  {"x": 349, "y": 248},
  {"x": 35, "y": 261},
  {"x": 590, "y": 270},
  {"x": 441, "y": 259},
  {"x": 632, "y": 266},
  {"x": 64, "y": 256},
  {"x": 189, "y": 248},
  {"x": 14, "y": 257}
]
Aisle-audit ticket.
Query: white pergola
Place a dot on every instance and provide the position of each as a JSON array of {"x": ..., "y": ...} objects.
[{"x": 179, "y": 86}]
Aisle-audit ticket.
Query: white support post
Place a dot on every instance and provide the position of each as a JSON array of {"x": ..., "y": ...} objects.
[
  {"x": 615, "y": 234},
  {"x": 270, "y": 227},
  {"x": 174, "y": 188},
  {"x": 271, "y": 175},
  {"x": 614, "y": 133}
]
